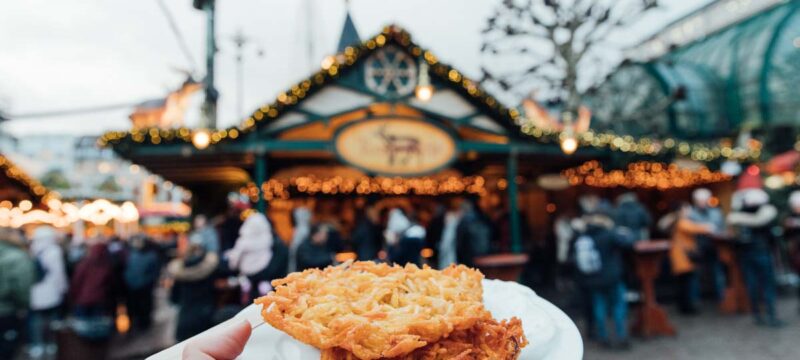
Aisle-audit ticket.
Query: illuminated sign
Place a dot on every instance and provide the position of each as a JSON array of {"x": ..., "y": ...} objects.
[{"x": 395, "y": 146}]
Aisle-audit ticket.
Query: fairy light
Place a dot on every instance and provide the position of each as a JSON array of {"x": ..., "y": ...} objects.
[
  {"x": 201, "y": 139},
  {"x": 649, "y": 175},
  {"x": 333, "y": 66},
  {"x": 311, "y": 185},
  {"x": 98, "y": 212}
]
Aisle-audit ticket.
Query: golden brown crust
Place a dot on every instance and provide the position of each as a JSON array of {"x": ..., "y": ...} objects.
[
  {"x": 375, "y": 310},
  {"x": 486, "y": 340}
]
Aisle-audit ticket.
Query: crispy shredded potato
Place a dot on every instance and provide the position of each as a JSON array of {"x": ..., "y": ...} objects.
[
  {"x": 486, "y": 340},
  {"x": 375, "y": 310}
]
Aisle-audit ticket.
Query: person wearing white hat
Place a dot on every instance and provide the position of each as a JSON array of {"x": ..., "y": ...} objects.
[
  {"x": 705, "y": 214},
  {"x": 753, "y": 222}
]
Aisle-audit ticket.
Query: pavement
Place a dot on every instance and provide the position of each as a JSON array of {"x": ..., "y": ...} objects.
[{"x": 711, "y": 335}]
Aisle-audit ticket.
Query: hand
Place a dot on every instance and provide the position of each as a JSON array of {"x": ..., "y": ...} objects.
[{"x": 220, "y": 344}]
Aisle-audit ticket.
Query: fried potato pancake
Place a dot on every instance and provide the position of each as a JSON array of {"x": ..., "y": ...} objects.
[
  {"x": 375, "y": 310},
  {"x": 486, "y": 340}
]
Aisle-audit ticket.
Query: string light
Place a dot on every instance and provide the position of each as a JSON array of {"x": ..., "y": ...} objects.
[
  {"x": 98, "y": 212},
  {"x": 333, "y": 66},
  {"x": 311, "y": 185},
  {"x": 643, "y": 174},
  {"x": 35, "y": 189},
  {"x": 201, "y": 139}
]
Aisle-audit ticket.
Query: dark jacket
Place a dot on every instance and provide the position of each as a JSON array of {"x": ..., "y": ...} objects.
[
  {"x": 753, "y": 226},
  {"x": 310, "y": 255},
  {"x": 92, "y": 284},
  {"x": 16, "y": 278},
  {"x": 473, "y": 238},
  {"x": 408, "y": 248},
  {"x": 632, "y": 215},
  {"x": 610, "y": 246},
  {"x": 142, "y": 268},
  {"x": 367, "y": 239},
  {"x": 193, "y": 292}
]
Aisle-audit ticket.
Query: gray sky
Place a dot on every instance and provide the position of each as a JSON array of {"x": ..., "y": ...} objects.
[{"x": 68, "y": 53}]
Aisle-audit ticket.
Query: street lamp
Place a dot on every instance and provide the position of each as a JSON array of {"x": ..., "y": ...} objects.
[{"x": 201, "y": 139}]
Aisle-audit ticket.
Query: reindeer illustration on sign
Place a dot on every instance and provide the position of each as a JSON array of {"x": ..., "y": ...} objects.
[{"x": 400, "y": 149}]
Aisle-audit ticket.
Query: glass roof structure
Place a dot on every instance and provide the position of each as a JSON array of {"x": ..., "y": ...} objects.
[{"x": 746, "y": 74}]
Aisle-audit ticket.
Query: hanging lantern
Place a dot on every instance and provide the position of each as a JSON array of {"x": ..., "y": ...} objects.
[
  {"x": 201, "y": 139},
  {"x": 569, "y": 143},
  {"x": 424, "y": 90}
]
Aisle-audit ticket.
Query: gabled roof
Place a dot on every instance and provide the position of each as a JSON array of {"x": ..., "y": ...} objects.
[
  {"x": 24, "y": 186},
  {"x": 340, "y": 63}
]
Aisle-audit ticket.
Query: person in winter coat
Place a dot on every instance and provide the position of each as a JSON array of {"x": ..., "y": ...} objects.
[
  {"x": 92, "y": 296},
  {"x": 252, "y": 254},
  {"x": 704, "y": 213},
  {"x": 302, "y": 229},
  {"x": 314, "y": 252},
  {"x": 193, "y": 290},
  {"x": 17, "y": 275},
  {"x": 47, "y": 295},
  {"x": 791, "y": 230},
  {"x": 206, "y": 234},
  {"x": 473, "y": 235},
  {"x": 631, "y": 214},
  {"x": 367, "y": 234},
  {"x": 684, "y": 254},
  {"x": 141, "y": 275},
  {"x": 447, "y": 247},
  {"x": 404, "y": 239},
  {"x": 752, "y": 222},
  {"x": 597, "y": 255}
]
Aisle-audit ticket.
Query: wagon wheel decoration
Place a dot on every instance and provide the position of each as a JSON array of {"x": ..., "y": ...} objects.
[{"x": 391, "y": 71}]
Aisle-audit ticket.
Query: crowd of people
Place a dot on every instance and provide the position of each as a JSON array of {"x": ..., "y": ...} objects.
[
  {"x": 595, "y": 251},
  {"x": 50, "y": 286},
  {"x": 56, "y": 292}
]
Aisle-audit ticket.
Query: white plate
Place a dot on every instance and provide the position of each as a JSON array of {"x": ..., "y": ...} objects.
[{"x": 552, "y": 335}]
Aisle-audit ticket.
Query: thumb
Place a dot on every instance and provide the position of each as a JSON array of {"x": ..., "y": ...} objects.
[{"x": 223, "y": 344}]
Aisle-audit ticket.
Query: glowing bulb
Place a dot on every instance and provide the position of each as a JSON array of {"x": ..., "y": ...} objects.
[
  {"x": 201, "y": 139},
  {"x": 134, "y": 169},
  {"x": 424, "y": 89},
  {"x": 327, "y": 62},
  {"x": 569, "y": 144},
  {"x": 25, "y": 205},
  {"x": 424, "y": 92}
]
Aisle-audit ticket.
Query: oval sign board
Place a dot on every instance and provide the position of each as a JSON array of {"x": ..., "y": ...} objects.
[{"x": 395, "y": 146}]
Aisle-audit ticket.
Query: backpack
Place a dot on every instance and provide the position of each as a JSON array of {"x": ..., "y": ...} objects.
[{"x": 587, "y": 257}]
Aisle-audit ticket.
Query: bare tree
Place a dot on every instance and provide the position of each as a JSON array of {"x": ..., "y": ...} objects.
[{"x": 550, "y": 41}]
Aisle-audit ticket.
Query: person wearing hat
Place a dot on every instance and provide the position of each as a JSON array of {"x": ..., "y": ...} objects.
[
  {"x": 597, "y": 255},
  {"x": 704, "y": 213},
  {"x": 752, "y": 218},
  {"x": 791, "y": 229}
]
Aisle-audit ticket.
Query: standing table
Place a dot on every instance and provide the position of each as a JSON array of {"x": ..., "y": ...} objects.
[
  {"x": 734, "y": 299},
  {"x": 651, "y": 319}
]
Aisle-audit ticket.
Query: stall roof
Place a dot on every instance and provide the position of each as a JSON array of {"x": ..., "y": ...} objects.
[
  {"x": 16, "y": 185},
  {"x": 335, "y": 67}
]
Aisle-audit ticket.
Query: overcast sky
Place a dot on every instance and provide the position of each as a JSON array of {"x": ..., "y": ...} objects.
[{"x": 69, "y": 54}]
